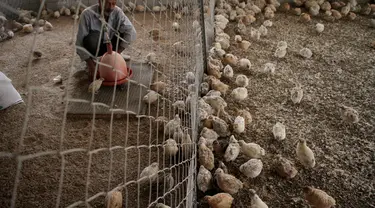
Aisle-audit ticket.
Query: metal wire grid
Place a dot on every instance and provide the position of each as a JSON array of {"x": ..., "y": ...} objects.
[{"x": 183, "y": 171}]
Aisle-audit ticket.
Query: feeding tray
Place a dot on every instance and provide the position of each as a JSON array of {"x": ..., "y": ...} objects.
[{"x": 119, "y": 81}]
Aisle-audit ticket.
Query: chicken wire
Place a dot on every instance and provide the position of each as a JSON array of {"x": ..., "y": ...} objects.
[{"x": 172, "y": 65}]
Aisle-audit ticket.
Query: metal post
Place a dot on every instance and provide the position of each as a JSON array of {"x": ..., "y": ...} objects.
[{"x": 203, "y": 34}]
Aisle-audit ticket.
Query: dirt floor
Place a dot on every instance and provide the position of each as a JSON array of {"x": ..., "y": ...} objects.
[
  {"x": 86, "y": 175},
  {"x": 341, "y": 71}
]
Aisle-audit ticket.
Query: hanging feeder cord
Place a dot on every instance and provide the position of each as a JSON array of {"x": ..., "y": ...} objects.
[{"x": 106, "y": 41}]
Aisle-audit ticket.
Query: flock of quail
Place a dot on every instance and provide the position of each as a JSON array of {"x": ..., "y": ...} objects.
[
  {"x": 27, "y": 22},
  {"x": 217, "y": 123},
  {"x": 217, "y": 145}
]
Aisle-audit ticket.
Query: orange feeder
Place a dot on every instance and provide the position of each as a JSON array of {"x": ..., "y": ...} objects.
[{"x": 114, "y": 59}]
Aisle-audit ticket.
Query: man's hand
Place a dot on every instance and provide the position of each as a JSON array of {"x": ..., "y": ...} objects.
[{"x": 120, "y": 49}]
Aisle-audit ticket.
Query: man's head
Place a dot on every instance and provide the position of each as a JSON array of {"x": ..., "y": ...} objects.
[{"x": 109, "y": 6}]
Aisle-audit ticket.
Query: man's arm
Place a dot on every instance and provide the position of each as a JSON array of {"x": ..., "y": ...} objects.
[
  {"x": 83, "y": 31},
  {"x": 127, "y": 31},
  {"x": 120, "y": 48}
]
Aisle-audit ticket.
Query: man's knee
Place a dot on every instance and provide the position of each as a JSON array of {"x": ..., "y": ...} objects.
[{"x": 90, "y": 42}]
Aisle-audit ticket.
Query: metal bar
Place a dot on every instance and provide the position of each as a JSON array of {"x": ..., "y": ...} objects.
[{"x": 203, "y": 33}]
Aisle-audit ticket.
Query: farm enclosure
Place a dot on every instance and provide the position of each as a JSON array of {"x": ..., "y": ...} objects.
[
  {"x": 341, "y": 71},
  {"x": 88, "y": 156}
]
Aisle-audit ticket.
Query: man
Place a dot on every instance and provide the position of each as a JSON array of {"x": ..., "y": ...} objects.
[{"x": 90, "y": 26}]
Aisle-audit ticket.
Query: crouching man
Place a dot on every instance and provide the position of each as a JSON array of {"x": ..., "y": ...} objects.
[{"x": 90, "y": 26}]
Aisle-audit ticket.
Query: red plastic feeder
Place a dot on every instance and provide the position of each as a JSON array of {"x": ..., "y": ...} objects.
[{"x": 114, "y": 59}]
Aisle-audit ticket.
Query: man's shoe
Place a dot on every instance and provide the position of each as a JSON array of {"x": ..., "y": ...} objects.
[{"x": 126, "y": 57}]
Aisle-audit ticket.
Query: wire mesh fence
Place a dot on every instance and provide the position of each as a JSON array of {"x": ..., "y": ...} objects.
[{"x": 76, "y": 147}]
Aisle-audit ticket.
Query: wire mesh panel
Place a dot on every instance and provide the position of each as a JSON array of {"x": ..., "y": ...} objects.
[{"x": 131, "y": 131}]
